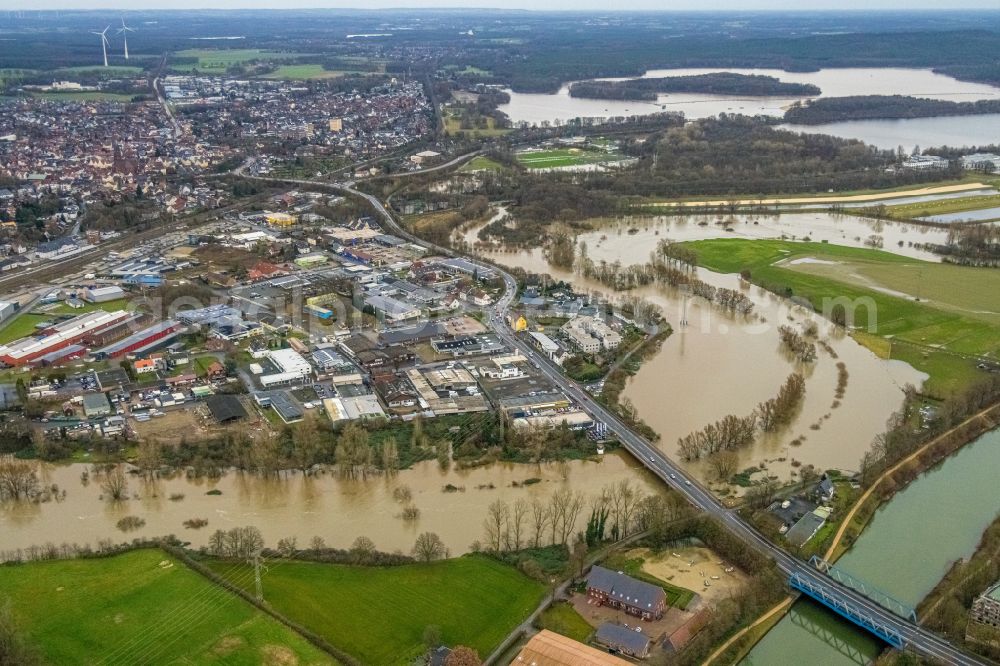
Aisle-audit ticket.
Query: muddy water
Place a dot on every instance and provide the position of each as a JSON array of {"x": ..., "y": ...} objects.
[
  {"x": 721, "y": 364},
  {"x": 637, "y": 236},
  {"x": 338, "y": 510}
]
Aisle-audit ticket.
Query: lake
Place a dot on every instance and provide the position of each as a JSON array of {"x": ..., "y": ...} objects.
[{"x": 535, "y": 109}]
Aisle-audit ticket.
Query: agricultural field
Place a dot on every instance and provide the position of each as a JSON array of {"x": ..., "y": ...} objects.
[
  {"x": 144, "y": 607},
  {"x": 304, "y": 73},
  {"x": 939, "y": 318},
  {"x": 557, "y": 158},
  {"x": 378, "y": 614},
  {"x": 220, "y": 59}
]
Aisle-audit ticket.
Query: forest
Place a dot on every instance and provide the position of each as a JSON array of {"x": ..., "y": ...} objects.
[
  {"x": 716, "y": 83},
  {"x": 868, "y": 107}
]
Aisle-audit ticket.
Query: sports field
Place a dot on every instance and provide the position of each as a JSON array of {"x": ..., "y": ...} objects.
[
  {"x": 143, "y": 607},
  {"x": 563, "y": 157},
  {"x": 378, "y": 614},
  {"x": 939, "y": 318}
]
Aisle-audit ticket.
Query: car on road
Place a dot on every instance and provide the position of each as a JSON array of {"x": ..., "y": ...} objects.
[{"x": 652, "y": 459}]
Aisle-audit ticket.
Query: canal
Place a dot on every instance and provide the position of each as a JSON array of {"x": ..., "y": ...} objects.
[{"x": 905, "y": 551}]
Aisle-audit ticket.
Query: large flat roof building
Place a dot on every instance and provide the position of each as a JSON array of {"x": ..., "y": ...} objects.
[
  {"x": 59, "y": 336},
  {"x": 547, "y": 648}
]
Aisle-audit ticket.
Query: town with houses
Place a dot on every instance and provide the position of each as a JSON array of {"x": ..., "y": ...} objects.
[{"x": 339, "y": 317}]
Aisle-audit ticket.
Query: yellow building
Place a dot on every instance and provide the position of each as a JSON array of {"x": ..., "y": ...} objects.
[
  {"x": 336, "y": 124},
  {"x": 521, "y": 324},
  {"x": 280, "y": 219}
]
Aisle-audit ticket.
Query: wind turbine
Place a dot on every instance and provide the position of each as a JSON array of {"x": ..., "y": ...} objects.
[
  {"x": 123, "y": 32},
  {"x": 103, "y": 34}
]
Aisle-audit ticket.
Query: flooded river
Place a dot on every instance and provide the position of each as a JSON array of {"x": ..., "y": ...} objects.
[
  {"x": 336, "y": 509},
  {"x": 905, "y": 551},
  {"x": 721, "y": 364},
  {"x": 560, "y": 107}
]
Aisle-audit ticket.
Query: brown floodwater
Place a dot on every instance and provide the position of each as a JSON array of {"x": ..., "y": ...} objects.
[
  {"x": 339, "y": 510},
  {"x": 722, "y": 364}
]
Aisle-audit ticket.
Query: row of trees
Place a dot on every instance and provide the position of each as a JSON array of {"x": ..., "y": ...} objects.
[
  {"x": 733, "y": 432},
  {"x": 617, "y": 511},
  {"x": 802, "y": 349}
]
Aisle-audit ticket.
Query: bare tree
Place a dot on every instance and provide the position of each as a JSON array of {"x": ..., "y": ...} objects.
[
  {"x": 539, "y": 520},
  {"x": 18, "y": 478},
  {"x": 429, "y": 547},
  {"x": 149, "y": 457},
  {"x": 362, "y": 550},
  {"x": 115, "y": 484},
  {"x": 306, "y": 442},
  {"x": 495, "y": 525},
  {"x": 516, "y": 523}
]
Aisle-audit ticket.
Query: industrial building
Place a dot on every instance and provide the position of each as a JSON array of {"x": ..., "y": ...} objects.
[
  {"x": 143, "y": 341},
  {"x": 60, "y": 336},
  {"x": 351, "y": 408},
  {"x": 96, "y": 405},
  {"x": 7, "y": 308},
  {"x": 293, "y": 368},
  {"x": 281, "y": 403},
  {"x": 546, "y": 344},
  {"x": 102, "y": 294}
]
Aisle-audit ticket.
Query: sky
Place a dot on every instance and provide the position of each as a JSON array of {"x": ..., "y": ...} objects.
[{"x": 595, "y": 5}]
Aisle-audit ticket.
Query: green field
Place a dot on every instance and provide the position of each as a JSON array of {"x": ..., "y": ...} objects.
[
  {"x": 563, "y": 619},
  {"x": 955, "y": 320},
  {"x": 303, "y": 73},
  {"x": 379, "y": 614},
  {"x": 942, "y": 206},
  {"x": 103, "y": 72},
  {"x": 220, "y": 59},
  {"x": 107, "y": 306},
  {"x": 480, "y": 163},
  {"x": 21, "y": 327},
  {"x": 127, "y": 609},
  {"x": 564, "y": 157}
]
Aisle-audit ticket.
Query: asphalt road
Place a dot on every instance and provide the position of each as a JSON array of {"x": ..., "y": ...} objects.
[{"x": 915, "y": 636}]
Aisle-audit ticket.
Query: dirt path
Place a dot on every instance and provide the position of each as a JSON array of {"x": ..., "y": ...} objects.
[
  {"x": 864, "y": 498},
  {"x": 780, "y": 608},
  {"x": 835, "y": 199}
]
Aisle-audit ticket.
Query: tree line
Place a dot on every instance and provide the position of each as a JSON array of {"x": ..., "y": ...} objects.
[
  {"x": 869, "y": 107},
  {"x": 733, "y": 432},
  {"x": 714, "y": 83}
]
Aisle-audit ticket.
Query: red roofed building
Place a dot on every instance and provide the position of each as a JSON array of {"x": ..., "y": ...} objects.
[{"x": 265, "y": 270}]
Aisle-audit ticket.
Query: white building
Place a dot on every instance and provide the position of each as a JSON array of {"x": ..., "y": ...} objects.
[
  {"x": 293, "y": 368},
  {"x": 102, "y": 294}
]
